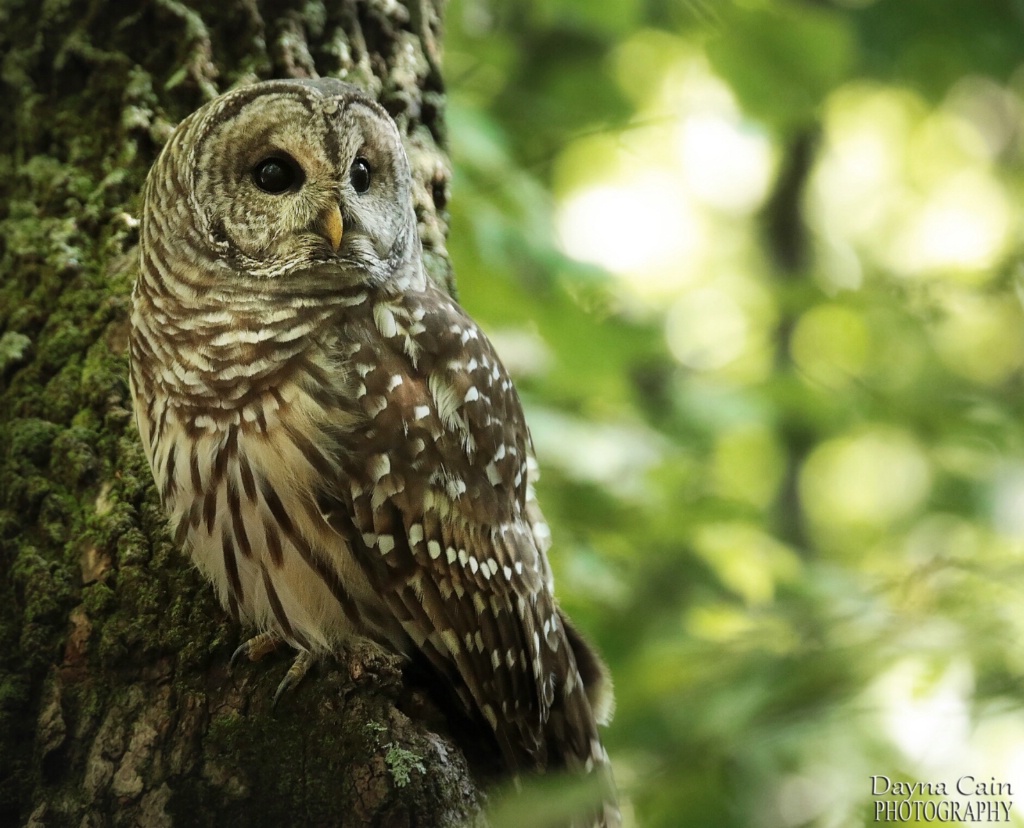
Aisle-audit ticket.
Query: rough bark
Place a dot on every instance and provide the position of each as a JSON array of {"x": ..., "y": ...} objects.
[{"x": 117, "y": 706}]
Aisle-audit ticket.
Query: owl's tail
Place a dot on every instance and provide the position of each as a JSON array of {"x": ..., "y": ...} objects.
[{"x": 573, "y": 738}]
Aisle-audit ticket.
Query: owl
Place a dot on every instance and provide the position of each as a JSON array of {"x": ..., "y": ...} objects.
[{"x": 335, "y": 442}]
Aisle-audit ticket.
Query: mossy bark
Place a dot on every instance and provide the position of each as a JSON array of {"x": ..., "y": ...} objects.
[{"x": 116, "y": 703}]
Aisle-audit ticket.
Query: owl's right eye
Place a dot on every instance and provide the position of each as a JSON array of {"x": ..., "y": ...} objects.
[{"x": 275, "y": 175}]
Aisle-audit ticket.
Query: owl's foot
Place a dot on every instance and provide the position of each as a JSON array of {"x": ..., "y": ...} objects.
[
  {"x": 256, "y": 647},
  {"x": 296, "y": 673},
  {"x": 265, "y": 643}
]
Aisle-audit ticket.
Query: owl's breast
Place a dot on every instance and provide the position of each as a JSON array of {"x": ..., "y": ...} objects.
[{"x": 239, "y": 486}]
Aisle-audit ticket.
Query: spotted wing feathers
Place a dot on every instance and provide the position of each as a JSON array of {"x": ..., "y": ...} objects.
[{"x": 436, "y": 496}]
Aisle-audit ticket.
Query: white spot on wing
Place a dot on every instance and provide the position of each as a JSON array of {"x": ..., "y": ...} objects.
[
  {"x": 385, "y": 320},
  {"x": 378, "y": 466},
  {"x": 455, "y": 487},
  {"x": 451, "y": 641},
  {"x": 375, "y": 405},
  {"x": 445, "y": 401},
  {"x": 489, "y": 714},
  {"x": 493, "y": 475}
]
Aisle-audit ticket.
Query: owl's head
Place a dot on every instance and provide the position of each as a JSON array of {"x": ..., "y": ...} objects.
[{"x": 281, "y": 177}]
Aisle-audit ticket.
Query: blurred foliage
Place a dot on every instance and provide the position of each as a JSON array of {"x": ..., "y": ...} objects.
[{"x": 755, "y": 265}]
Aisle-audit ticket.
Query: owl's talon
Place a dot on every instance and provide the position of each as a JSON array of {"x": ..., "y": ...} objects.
[
  {"x": 296, "y": 673},
  {"x": 255, "y": 648}
]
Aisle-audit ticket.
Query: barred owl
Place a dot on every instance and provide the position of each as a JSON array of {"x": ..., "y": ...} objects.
[{"x": 335, "y": 441}]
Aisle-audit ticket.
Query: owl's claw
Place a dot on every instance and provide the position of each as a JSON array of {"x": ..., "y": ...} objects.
[
  {"x": 255, "y": 648},
  {"x": 296, "y": 673},
  {"x": 260, "y": 645}
]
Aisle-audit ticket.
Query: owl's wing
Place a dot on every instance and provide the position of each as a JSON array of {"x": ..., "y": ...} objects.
[{"x": 435, "y": 507}]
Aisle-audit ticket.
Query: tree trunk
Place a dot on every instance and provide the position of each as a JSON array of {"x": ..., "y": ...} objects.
[{"x": 117, "y": 706}]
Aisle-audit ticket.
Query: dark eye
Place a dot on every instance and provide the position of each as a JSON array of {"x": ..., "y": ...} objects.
[
  {"x": 275, "y": 175},
  {"x": 359, "y": 175}
]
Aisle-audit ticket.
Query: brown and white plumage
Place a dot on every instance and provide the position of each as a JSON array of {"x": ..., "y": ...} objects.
[{"x": 335, "y": 441}]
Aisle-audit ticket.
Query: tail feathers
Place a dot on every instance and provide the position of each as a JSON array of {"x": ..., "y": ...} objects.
[
  {"x": 595, "y": 675},
  {"x": 575, "y": 744},
  {"x": 584, "y": 700}
]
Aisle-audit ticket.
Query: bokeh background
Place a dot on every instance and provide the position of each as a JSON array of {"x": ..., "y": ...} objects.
[{"x": 756, "y": 267}]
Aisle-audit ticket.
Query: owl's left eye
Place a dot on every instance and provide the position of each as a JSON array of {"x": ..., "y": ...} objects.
[{"x": 275, "y": 175}]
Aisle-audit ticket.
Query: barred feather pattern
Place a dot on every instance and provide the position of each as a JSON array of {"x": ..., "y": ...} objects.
[{"x": 347, "y": 457}]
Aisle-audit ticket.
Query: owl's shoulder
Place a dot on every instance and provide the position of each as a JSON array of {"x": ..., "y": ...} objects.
[{"x": 433, "y": 397}]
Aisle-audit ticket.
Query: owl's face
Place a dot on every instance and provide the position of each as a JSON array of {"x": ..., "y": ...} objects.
[{"x": 282, "y": 175}]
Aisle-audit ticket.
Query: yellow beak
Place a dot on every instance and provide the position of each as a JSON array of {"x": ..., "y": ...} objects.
[{"x": 332, "y": 227}]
